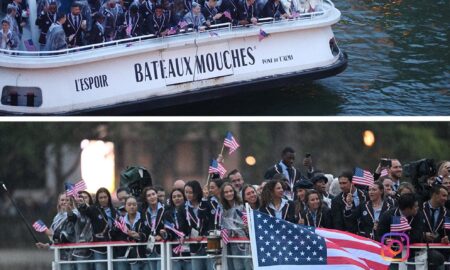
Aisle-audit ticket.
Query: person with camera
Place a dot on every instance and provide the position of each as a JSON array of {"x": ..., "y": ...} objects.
[
  {"x": 350, "y": 198},
  {"x": 367, "y": 214},
  {"x": 153, "y": 212},
  {"x": 62, "y": 229},
  {"x": 102, "y": 215}
]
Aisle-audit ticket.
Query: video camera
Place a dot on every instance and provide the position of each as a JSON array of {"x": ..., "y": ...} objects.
[
  {"x": 416, "y": 169},
  {"x": 136, "y": 178}
]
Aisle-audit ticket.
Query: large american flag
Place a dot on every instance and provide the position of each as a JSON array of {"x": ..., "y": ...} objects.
[
  {"x": 39, "y": 226},
  {"x": 277, "y": 243},
  {"x": 362, "y": 177},
  {"x": 230, "y": 142},
  {"x": 217, "y": 167},
  {"x": 400, "y": 224}
]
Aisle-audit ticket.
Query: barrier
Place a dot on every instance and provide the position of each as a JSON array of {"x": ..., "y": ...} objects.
[{"x": 219, "y": 261}]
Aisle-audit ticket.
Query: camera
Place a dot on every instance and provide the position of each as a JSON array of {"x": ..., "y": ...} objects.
[
  {"x": 385, "y": 162},
  {"x": 423, "y": 167},
  {"x": 136, "y": 178}
]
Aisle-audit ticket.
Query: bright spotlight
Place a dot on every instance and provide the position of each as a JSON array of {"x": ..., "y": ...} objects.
[
  {"x": 368, "y": 138},
  {"x": 250, "y": 160}
]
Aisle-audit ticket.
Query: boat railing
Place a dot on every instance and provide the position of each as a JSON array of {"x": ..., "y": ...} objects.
[
  {"x": 325, "y": 7},
  {"x": 166, "y": 258}
]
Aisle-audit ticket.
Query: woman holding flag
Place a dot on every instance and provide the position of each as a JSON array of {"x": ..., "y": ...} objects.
[
  {"x": 177, "y": 228},
  {"x": 368, "y": 214},
  {"x": 130, "y": 228},
  {"x": 153, "y": 212},
  {"x": 194, "y": 206},
  {"x": 234, "y": 224},
  {"x": 62, "y": 229},
  {"x": 83, "y": 230},
  {"x": 102, "y": 215}
]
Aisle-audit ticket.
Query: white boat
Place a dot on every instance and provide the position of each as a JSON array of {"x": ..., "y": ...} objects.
[{"x": 142, "y": 73}]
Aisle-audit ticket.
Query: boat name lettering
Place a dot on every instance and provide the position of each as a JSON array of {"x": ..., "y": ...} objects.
[
  {"x": 202, "y": 63},
  {"x": 283, "y": 58},
  {"x": 89, "y": 83}
]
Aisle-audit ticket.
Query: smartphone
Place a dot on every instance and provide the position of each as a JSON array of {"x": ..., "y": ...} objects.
[
  {"x": 308, "y": 155},
  {"x": 384, "y": 162}
]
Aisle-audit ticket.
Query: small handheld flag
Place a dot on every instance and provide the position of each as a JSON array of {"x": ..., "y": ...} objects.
[
  {"x": 243, "y": 216},
  {"x": 399, "y": 224},
  {"x": 217, "y": 167},
  {"x": 178, "y": 249},
  {"x": 121, "y": 225},
  {"x": 362, "y": 177},
  {"x": 171, "y": 227},
  {"x": 39, "y": 226},
  {"x": 262, "y": 35},
  {"x": 225, "y": 236},
  {"x": 230, "y": 142},
  {"x": 227, "y": 15},
  {"x": 182, "y": 24},
  {"x": 172, "y": 31},
  {"x": 447, "y": 223},
  {"x": 384, "y": 172},
  {"x": 73, "y": 189}
]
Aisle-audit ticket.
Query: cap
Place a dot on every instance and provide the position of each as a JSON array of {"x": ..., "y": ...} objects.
[
  {"x": 319, "y": 177},
  {"x": 304, "y": 184}
]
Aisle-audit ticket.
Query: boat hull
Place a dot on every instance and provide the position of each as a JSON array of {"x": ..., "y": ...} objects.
[{"x": 163, "y": 72}]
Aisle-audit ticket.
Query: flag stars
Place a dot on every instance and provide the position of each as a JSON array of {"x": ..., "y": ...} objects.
[
  {"x": 320, "y": 259},
  {"x": 284, "y": 248},
  {"x": 290, "y": 232},
  {"x": 277, "y": 232},
  {"x": 302, "y": 253},
  {"x": 289, "y": 242},
  {"x": 268, "y": 254},
  {"x": 308, "y": 258},
  {"x": 296, "y": 247},
  {"x": 261, "y": 238},
  {"x": 296, "y": 259},
  {"x": 314, "y": 253},
  {"x": 278, "y": 243},
  {"x": 308, "y": 247},
  {"x": 314, "y": 242},
  {"x": 275, "y": 259},
  {"x": 302, "y": 242},
  {"x": 265, "y": 220},
  {"x": 286, "y": 259},
  {"x": 283, "y": 237},
  {"x": 290, "y": 253},
  {"x": 267, "y": 243},
  {"x": 320, "y": 247},
  {"x": 279, "y": 253},
  {"x": 271, "y": 226},
  {"x": 295, "y": 237},
  {"x": 258, "y": 215}
]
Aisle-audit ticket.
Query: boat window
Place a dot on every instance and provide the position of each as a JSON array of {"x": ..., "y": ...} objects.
[
  {"x": 334, "y": 47},
  {"x": 22, "y": 96}
]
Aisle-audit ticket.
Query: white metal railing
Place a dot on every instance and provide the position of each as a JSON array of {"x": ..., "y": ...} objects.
[
  {"x": 134, "y": 40},
  {"x": 166, "y": 258}
]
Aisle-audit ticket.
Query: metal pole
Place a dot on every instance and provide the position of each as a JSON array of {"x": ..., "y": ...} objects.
[
  {"x": 20, "y": 213},
  {"x": 109, "y": 257}
]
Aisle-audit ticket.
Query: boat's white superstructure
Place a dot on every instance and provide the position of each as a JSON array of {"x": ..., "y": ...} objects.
[{"x": 175, "y": 67}]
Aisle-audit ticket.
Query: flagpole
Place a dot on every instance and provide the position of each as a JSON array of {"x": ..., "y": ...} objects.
[{"x": 20, "y": 213}]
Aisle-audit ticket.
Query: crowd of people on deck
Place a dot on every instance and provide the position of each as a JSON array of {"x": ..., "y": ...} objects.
[
  {"x": 304, "y": 196},
  {"x": 69, "y": 24}
]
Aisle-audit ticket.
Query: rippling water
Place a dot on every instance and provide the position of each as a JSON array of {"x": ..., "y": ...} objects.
[{"x": 399, "y": 64}]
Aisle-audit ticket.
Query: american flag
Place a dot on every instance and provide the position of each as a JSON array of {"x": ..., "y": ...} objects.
[
  {"x": 172, "y": 31},
  {"x": 128, "y": 30},
  {"x": 262, "y": 35},
  {"x": 447, "y": 223},
  {"x": 277, "y": 243},
  {"x": 171, "y": 226},
  {"x": 362, "y": 177},
  {"x": 213, "y": 34},
  {"x": 178, "y": 249},
  {"x": 225, "y": 236},
  {"x": 29, "y": 45},
  {"x": 121, "y": 224},
  {"x": 384, "y": 172},
  {"x": 295, "y": 14},
  {"x": 217, "y": 167},
  {"x": 39, "y": 226},
  {"x": 182, "y": 24},
  {"x": 73, "y": 189},
  {"x": 399, "y": 224},
  {"x": 230, "y": 142},
  {"x": 243, "y": 216},
  {"x": 227, "y": 14}
]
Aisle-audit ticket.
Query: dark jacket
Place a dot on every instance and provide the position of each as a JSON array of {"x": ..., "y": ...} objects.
[
  {"x": 134, "y": 251},
  {"x": 272, "y": 10},
  {"x": 415, "y": 234},
  {"x": 438, "y": 227},
  {"x": 96, "y": 35},
  {"x": 74, "y": 28},
  {"x": 44, "y": 21},
  {"x": 177, "y": 217},
  {"x": 338, "y": 212},
  {"x": 287, "y": 212},
  {"x": 207, "y": 214},
  {"x": 323, "y": 219},
  {"x": 364, "y": 216}
]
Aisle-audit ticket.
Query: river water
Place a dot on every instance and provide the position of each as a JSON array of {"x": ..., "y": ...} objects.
[{"x": 399, "y": 64}]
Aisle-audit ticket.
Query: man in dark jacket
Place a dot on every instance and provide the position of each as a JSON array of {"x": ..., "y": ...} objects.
[
  {"x": 286, "y": 167},
  {"x": 350, "y": 198},
  {"x": 97, "y": 33}
]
